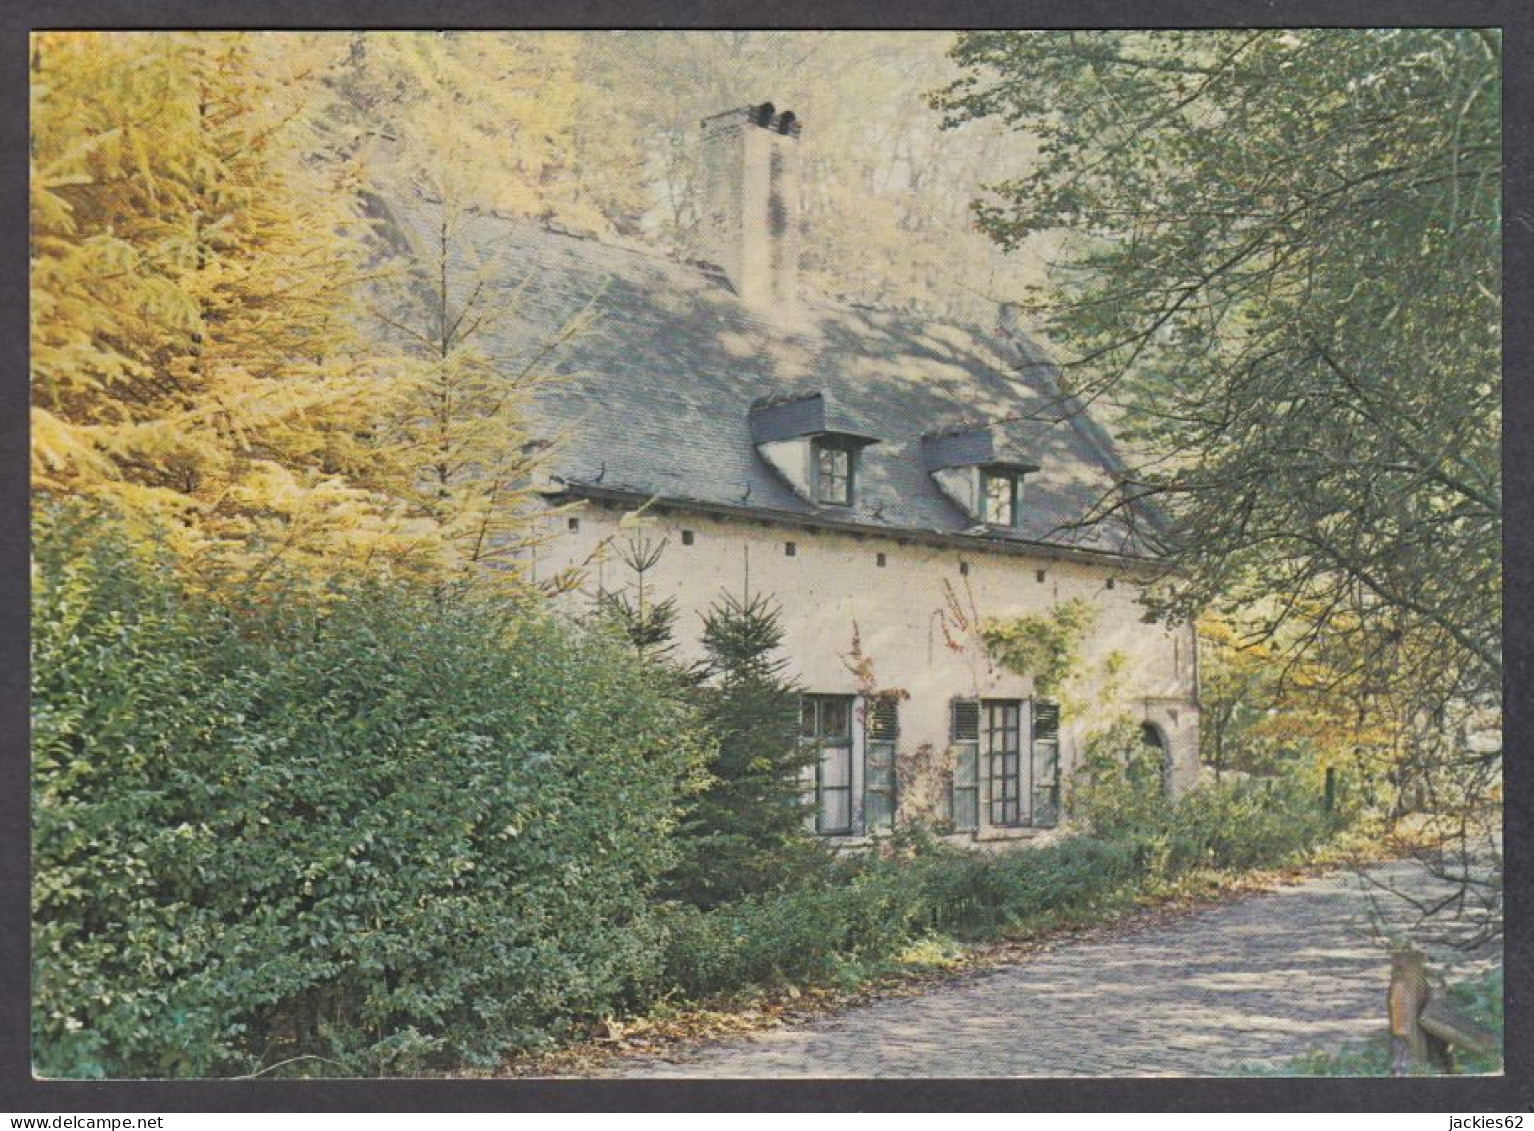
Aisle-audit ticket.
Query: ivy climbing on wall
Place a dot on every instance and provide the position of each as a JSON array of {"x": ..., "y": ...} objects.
[{"x": 1046, "y": 646}]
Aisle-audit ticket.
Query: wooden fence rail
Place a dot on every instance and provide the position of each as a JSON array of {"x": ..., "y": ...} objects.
[{"x": 1425, "y": 1026}]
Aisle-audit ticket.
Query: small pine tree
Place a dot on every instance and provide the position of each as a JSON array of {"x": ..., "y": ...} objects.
[
  {"x": 649, "y": 625},
  {"x": 747, "y": 831}
]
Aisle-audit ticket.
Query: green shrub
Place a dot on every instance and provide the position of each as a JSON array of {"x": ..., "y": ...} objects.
[
  {"x": 1117, "y": 790},
  {"x": 972, "y": 894},
  {"x": 862, "y": 912},
  {"x": 1118, "y": 793},
  {"x": 1255, "y": 823},
  {"x": 867, "y": 909},
  {"x": 390, "y": 831}
]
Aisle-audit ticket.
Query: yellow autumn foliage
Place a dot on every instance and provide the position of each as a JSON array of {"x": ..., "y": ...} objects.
[
  {"x": 207, "y": 351},
  {"x": 1256, "y": 697},
  {"x": 196, "y": 360}
]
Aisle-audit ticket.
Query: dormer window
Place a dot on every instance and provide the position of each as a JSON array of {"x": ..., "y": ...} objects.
[
  {"x": 833, "y": 465},
  {"x": 813, "y": 444},
  {"x": 1000, "y": 491},
  {"x": 981, "y": 471}
]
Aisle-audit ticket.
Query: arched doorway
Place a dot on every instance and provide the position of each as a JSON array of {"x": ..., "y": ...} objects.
[{"x": 1152, "y": 738}]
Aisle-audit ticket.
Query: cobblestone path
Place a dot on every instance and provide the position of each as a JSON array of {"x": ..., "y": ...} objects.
[{"x": 1258, "y": 980}]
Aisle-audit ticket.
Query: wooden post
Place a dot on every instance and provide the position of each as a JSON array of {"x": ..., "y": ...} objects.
[
  {"x": 1425, "y": 1027},
  {"x": 1407, "y": 998}
]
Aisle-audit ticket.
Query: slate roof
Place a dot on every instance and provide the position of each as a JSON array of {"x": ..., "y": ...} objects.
[{"x": 652, "y": 397}]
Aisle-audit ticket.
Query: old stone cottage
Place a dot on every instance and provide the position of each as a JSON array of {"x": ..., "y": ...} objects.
[{"x": 890, "y": 479}]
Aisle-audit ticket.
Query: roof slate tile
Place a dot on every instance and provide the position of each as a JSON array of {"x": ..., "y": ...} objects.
[{"x": 654, "y": 396}]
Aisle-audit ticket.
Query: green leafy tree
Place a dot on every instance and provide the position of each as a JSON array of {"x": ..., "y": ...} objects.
[
  {"x": 746, "y": 833},
  {"x": 1284, "y": 271},
  {"x": 1046, "y": 647},
  {"x": 1118, "y": 788},
  {"x": 1285, "y": 268}
]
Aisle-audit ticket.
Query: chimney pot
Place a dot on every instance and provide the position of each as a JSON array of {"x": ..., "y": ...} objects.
[{"x": 750, "y": 221}]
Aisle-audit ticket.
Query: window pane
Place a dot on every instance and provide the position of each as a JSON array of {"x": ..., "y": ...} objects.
[
  {"x": 999, "y": 494},
  {"x": 1046, "y": 762},
  {"x": 1006, "y": 721},
  {"x": 879, "y": 766},
  {"x": 1046, "y": 782},
  {"x": 835, "y": 810},
  {"x": 992, "y": 499},
  {"x": 836, "y": 717},
  {"x": 966, "y": 765},
  {"x": 966, "y": 809},
  {"x": 825, "y": 716},
  {"x": 836, "y": 767},
  {"x": 879, "y": 812}
]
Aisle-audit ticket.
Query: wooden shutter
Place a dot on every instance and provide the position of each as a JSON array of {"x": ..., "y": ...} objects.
[
  {"x": 964, "y": 794},
  {"x": 1045, "y": 772},
  {"x": 879, "y": 752}
]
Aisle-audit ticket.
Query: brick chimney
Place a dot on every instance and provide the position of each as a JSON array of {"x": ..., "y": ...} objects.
[{"x": 750, "y": 222}]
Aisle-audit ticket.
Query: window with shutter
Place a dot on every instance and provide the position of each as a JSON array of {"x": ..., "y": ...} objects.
[
  {"x": 1045, "y": 756},
  {"x": 1021, "y": 778},
  {"x": 964, "y": 800},
  {"x": 879, "y": 749}
]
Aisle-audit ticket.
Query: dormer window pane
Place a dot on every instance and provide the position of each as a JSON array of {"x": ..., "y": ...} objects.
[
  {"x": 833, "y": 474},
  {"x": 999, "y": 498}
]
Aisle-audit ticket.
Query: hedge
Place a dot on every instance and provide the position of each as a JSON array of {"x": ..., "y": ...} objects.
[{"x": 390, "y": 831}]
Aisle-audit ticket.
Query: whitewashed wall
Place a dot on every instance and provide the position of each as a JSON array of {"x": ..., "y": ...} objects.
[{"x": 833, "y": 585}]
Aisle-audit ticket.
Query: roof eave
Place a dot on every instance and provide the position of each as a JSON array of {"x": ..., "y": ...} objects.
[{"x": 1014, "y": 547}]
